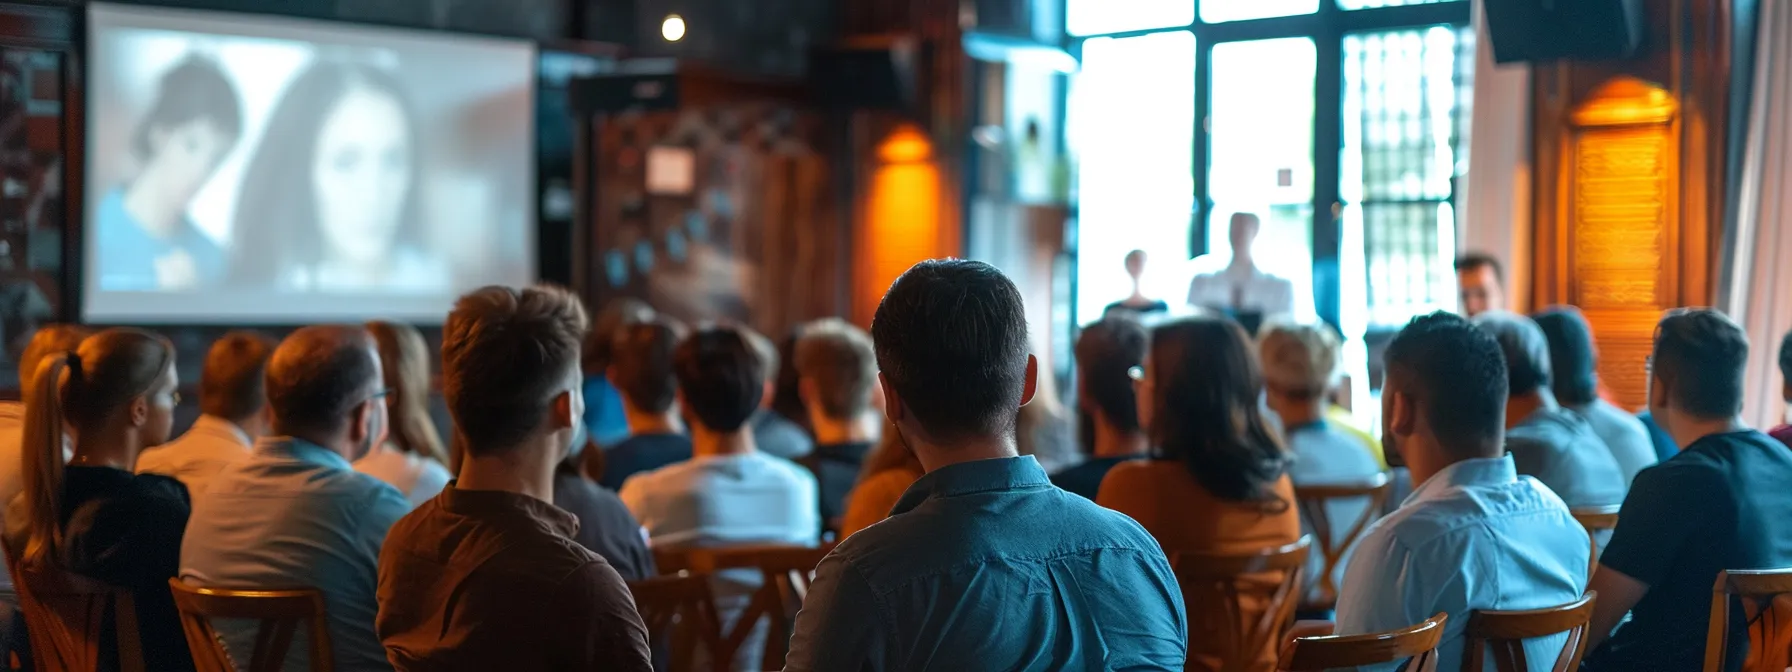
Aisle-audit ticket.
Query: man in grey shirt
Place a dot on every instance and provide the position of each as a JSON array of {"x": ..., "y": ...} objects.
[
  {"x": 1576, "y": 385},
  {"x": 1547, "y": 441}
]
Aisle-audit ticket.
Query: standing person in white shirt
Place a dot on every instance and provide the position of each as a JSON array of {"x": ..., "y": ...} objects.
[
  {"x": 1241, "y": 288},
  {"x": 1473, "y": 534},
  {"x": 411, "y": 458},
  {"x": 728, "y": 493},
  {"x": 233, "y": 414}
]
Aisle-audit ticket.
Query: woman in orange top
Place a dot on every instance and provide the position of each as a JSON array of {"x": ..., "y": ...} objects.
[
  {"x": 887, "y": 473},
  {"x": 1217, "y": 479}
]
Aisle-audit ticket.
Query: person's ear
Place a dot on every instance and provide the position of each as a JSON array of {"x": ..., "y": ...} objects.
[
  {"x": 1402, "y": 414},
  {"x": 893, "y": 408},
  {"x": 140, "y": 411},
  {"x": 562, "y": 414},
  {"x": 807, "y": 390},
  {"x": 1032, "y": 384},
  {"x": 360, "y": 425},
  {"x": 768, "y": 395},
  {"x": 1786, "y": 391}
]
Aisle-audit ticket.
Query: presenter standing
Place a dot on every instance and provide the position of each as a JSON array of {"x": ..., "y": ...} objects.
[{"x": 1241, "y": 289}]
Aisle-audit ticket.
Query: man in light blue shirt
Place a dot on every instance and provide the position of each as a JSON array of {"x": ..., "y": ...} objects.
[
  {"x": 295, "y": 513},
  {"x": 1473, "y": 534}
]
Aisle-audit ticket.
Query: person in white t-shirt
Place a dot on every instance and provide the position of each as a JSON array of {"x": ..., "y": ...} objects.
[
  {"x": 411, "y": 458},
  {"x": 233, "y": 414},
  {"x": 1241, "y": 287}
]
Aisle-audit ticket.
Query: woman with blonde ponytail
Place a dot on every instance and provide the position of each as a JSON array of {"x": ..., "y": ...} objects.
[{"x": 90, "y": 515}]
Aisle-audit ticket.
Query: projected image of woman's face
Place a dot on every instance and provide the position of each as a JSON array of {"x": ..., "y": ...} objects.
[
  {"x": 361, "y": 174},
  {"x": 183, "y": 157}
]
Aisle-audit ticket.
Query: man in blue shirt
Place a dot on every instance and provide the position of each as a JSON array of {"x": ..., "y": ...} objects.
[
  {"x": 1720, "y": 504},
  {"x": 294, "y": 513},
  {"x": 1473, "y": 534},
  {"x": 983, "y": 564}
]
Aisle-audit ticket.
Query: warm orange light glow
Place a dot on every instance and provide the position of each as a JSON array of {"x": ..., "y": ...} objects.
[
  {"x": 902, "y": 212},
  {"x": 906, "y": 144}
]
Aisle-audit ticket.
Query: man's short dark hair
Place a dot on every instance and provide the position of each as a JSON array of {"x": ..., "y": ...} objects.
[
  {"x": 1105, "y": 352},
  {"x": 230, "y": 385},
  {"x": 1524, "y": 346},
  {"x": 318, "y": 375},
  {"x": 1458, "y": 372},
  {"x": 721, "y": 376},
  {"x": 506, "y": 354},
  {"x": 1475, "y": 260},
  {"x": 641, "y": 364},
  {"x": 1571, "y": 360},
  {"x": 1701, "y": 356},
  {"x": 951, "y": 340},
  {"x": 839, "y": 357}
]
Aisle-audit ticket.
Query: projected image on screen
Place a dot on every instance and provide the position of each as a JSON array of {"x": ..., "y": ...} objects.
[{"x": 256, "y": 169}]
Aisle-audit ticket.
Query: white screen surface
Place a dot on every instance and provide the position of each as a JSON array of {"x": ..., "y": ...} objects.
[{"x": 260, "y": 170}]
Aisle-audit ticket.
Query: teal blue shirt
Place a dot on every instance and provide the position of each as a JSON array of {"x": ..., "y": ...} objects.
[
  {"x": 127, "y": 253},
  {"x": 987, "y": 566}
]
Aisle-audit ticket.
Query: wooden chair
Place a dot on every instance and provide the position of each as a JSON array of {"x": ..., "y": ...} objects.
[
  {"x": 1417, "y": 643},
  {"x": 680, "y": 611},
  {"x": 1766, "y": 596},
  {"x": 279, "y": 613},
  {"x": 1233, "y": 577},
  {"x": 787, "y": 570},
  {"x": 1505, "y": 632},
  {"x": 1596, "y": 518},
  {"x": 66, "y": 616},
  {"x": 1312, "y": 500}
]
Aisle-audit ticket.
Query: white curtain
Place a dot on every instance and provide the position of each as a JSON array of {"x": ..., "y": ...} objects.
[
  {"x": 1760, "y": 278},
  {"x": 1494, "y": 209}
]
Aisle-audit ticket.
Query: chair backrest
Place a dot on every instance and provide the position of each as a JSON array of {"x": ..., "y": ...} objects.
[
  {"x": 1417, "y": 643},
  {"x": 67, "y": 615},
  {"x": 1504, "y": 633},
  {"x": 787, "y": 570},
  {"x": 1313, "y": 500},
  {"x": 279, "y": 614},
  {"x": 1231, "y": 577},
  {"x": 1596, "y": 518},
  {"x": 1767, "y": 600},
  {"x": 679, "y": 610}
]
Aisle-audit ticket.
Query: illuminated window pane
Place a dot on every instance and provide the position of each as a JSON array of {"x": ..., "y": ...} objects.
[
  {"x": 1131, "y": 125},
  {"x": 1093, "y": 17},
  {"x": 1372, "y": 4},
  {"x": 1215, "y": 11}
]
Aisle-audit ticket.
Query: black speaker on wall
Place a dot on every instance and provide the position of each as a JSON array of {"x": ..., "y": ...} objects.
[{"x": 1547, "y": 30}]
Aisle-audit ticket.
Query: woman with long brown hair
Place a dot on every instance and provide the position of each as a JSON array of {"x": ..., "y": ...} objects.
[
  {"x": 888, "y": 471},
  {"x": 1217, "y": 477},
  {"x": 411, "y": 458},
  {"x": 88, "y": 514}
]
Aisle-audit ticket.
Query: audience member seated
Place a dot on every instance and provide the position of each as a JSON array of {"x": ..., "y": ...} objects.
[
  {"x": 1576, "y": 386},
  {"x": 887, "y": 473},
  {"x": 1217, "y": 480},
  {"x": 92, "y": 516},
  {"x": 783, "y": 429},
  {"x": 1300, "y": 364},
  {"x": 837, "y": 370},
  {"x": 984, "y": 536},
  {"x": 1547, "y": 441},
  {"x": 1658, "y": 437},
  {"x": 49, "y": 340},
  {"x": 605, "y": 525},
  {"x": 1341, "y": 419},
  {"x": 641, "y": 368},
  {"x": 487, "y": 576},
  {"x": 411, "y": 458},
  {"x": 729, "y": 493},
  {"x": 1721, "y": 503},
  {"x": 1783, "y": 433},
  {"x": 1105, "y": 352},
  {"x": 233, "y": 414},
  {"x": 605, "y": 421},
  {"x": 296, "y": 513},
  {"x": 1137, "y": 304},
  {"x": 1474, "y": 534}
]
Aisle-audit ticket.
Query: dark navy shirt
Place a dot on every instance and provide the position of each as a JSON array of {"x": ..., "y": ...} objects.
[
  {"x": 986, "y": 565},
  {"x": 1085, "y": 479},
  {"x": 642, "y": 452}
]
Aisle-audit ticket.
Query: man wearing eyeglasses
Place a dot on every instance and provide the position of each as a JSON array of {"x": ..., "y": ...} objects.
[{"x": 295, "y": 513}]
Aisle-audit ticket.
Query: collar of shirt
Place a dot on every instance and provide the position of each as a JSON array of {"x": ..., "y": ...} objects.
[
  {"x": 509, "y": 508},
  {"x": 1480, "y": 472},
  {"x": 300, "y": 450},
  {"x": 965, "y": 478},
  {"x": 212, "y": 424}
]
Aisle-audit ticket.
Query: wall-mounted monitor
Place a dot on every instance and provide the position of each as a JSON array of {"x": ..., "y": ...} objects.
[{"x": 247, "y": 169}]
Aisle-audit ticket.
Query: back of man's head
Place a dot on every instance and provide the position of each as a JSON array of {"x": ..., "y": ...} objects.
[
  {"x": 49, "y": 340},
  {"x": 1571, "y": 359},
  {"x": 1699, "y": 361},
  {"x": 1106, "y": 352},
  {"x": 951, "y": 340},
  {"x": 1456, "y": 374},
  {"x": 1786, "y": 364},
  {"x": 839, "y": 361},
  {"x": 1525, "y": 348},
  {"x": 507, "y": 355},
  {"x": 641, "y": 364},
  {"x": 1300, "y": 361},
  {"x": 230, "y": 385},
  {"x": 318, "y": 375},
  {"x": 721, "y": 377}
]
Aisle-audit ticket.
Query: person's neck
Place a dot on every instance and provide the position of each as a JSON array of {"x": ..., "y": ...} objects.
[
  {"x": 707, "y": 443},
  {"x": 251, "y": 426},
  {"x": 1687, "y": 430},
  {"x": 936, "y": 456},
  {"x": 1297, "y": 412},
  {"x": 1521, "y": 407},
  {"x": 1242, "y": 261},
  {"x": 646, "y": 422},
  {"x": 336, "y": 444},
  {"x": 524, "y": 469},
  {"x": 1137, "y": 298},
  {"x": 1111, "y": 441},
  {"x": 115, "y": 448},
  {"x": 830, "y": 431},
  {"x": 150, "y": 207}
]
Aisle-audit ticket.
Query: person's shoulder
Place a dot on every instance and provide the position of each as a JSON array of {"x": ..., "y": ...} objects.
[{"x": 160, "y": 490}]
